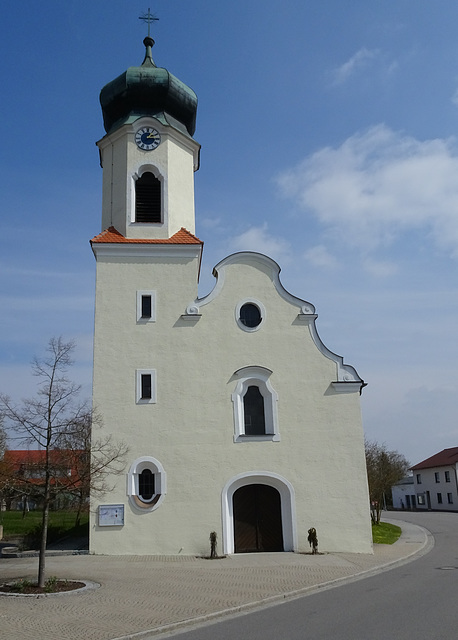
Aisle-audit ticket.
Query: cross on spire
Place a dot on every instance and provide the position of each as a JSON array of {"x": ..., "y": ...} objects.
[{"x": 149, "y": 18}]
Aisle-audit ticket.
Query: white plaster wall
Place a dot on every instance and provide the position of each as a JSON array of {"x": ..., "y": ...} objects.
[
  {"x": 399, "y": 493},
  {"x": 428, "y": 483},
  {"x": 190, "y": 429}
]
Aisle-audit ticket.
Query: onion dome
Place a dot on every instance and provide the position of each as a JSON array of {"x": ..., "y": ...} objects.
[{"x": 148, "y": 91}]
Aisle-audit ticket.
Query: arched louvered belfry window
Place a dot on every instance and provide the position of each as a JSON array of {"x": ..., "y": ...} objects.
[{"x": 148, "y": 199}]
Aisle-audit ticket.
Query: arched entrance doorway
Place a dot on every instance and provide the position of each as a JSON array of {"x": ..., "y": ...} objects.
[{"x": 257, "y": 519}]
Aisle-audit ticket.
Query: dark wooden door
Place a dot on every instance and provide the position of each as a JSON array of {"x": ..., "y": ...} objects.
[{"x": 257, "y": 519}]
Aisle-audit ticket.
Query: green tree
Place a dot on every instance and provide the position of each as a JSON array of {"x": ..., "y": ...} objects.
[
  {"x": 49, "y": 421},
  {"x": 384, "y": 469}
]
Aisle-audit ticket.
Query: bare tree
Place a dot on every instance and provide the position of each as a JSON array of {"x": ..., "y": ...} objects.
[
  {"x": 2, "y": 439},
  {"x": 384, "y": 469},
  {"x": 92, "y": 457},
  {"x": 55, "y": 416}
]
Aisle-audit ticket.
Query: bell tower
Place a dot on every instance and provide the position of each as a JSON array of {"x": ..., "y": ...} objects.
[
  {"x": 147, "y": 270},
  {"x": 148, "y": 154}
]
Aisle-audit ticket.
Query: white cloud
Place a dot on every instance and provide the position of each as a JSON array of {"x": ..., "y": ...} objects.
[
  {"x": 319, "y": 256},
  {"x": 358, "y": 62},
  {"x": 259, "y": 240},
  {"x": 379, "y": 184},
  {"x": 380, "y": 268},
  {"x": 210, "y": 223}
]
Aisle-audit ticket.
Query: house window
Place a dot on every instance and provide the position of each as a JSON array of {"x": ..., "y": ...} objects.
[
  {"x": 436, "y": 476},
  {"x": 418, "y": 478},
  {"x": 148, "y": 198},
  {"x": 250, "y": 314},
  {"x": 421, "y": 498},
  {"x": 255, "y": 406},
  {"x": 146, "y": 386},
  {"x": 447, "y": 476},
  {"x": 253, "y": 410},
  {"x": 146, "y": 307},
  {"x": 146, "y": 485},
  {"x": 450, "y": 498},
  {"x": 439, "y": 498},
  {"x": 146, "y": 482}
]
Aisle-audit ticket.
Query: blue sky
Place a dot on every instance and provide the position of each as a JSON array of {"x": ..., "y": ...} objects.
[{"x": 328, "y": 133}]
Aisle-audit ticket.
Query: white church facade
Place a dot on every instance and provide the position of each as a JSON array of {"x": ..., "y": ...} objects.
[{"x": 239, "y": 420}]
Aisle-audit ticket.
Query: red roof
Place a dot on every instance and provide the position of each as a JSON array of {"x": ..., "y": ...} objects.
[
  {"x": 112, "y": 236},
  {"x": 36, "y": 456},
  {"x": 28, "y": 464},
  {"x": 445, "y": 458}
]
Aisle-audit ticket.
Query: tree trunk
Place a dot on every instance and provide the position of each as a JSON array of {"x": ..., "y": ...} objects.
[{"x": 44, "y": 532}]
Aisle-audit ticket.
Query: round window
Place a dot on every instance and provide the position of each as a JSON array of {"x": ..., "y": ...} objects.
[{"x": 250, "y": 315}]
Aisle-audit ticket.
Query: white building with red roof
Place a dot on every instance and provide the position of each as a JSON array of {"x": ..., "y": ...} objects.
[
  {"x": 436, "y": 481},
  {"x": 240, "y": 421}
]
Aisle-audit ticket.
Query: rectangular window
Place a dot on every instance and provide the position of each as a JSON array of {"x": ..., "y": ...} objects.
[
  {"x": 436, "y": 476},
  {"x": 447, "y": 476},
  {"x": 439, "y": 498},
  {"x": 450, "y": 498},
  {"x": 146, "y": 306},
  {"x": 145, "y": 386},
  {"x": 418, "y": 478},
  {"x": 421, "y": 498}
]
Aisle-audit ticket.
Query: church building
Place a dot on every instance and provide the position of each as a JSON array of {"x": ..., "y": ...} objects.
[{"x": 239, "y": 420}]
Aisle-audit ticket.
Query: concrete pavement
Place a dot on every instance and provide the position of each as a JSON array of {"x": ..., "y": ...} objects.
[{"x": 141, "y": 596}]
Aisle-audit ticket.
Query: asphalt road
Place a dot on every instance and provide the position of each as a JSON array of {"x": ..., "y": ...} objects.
[{"x": 416, "y": 601}]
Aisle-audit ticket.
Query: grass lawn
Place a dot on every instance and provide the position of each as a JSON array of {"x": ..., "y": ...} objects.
[
  {"x": 385, "y": 533},
  {"x": 61, "y": 523}
]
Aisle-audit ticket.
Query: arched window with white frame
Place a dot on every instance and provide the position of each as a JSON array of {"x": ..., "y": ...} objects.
[
  {"x": 255, "y": 406},
  {"x": 146, "y": 483}
]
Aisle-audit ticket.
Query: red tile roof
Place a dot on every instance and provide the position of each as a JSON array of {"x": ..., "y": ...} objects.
[
  {"x": 28, "y": 464},
  {"x": 112, "y": 235},
  {"x": 445, "y": 458}
]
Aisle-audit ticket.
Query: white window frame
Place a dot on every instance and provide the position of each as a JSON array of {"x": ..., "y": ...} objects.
[
  {"x": 262, "y": 311},
  {"x": 160, "y": 483},
  {"x": 138, "y": 386},
  {"x": 140, "y": 294},
  {"x": 259, "y": 377}
]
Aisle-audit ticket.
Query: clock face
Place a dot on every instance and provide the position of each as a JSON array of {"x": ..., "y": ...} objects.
[{"x": 147, "y": 138}]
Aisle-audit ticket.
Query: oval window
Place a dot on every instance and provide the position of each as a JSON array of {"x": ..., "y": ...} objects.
[{"x": 250, "y": 315}]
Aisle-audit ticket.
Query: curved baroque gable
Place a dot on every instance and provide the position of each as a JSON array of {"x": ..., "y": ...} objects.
[{"x": 347, "y": 378}]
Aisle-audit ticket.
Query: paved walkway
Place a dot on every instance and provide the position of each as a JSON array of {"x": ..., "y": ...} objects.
[{"x": 142, "y": 596}]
